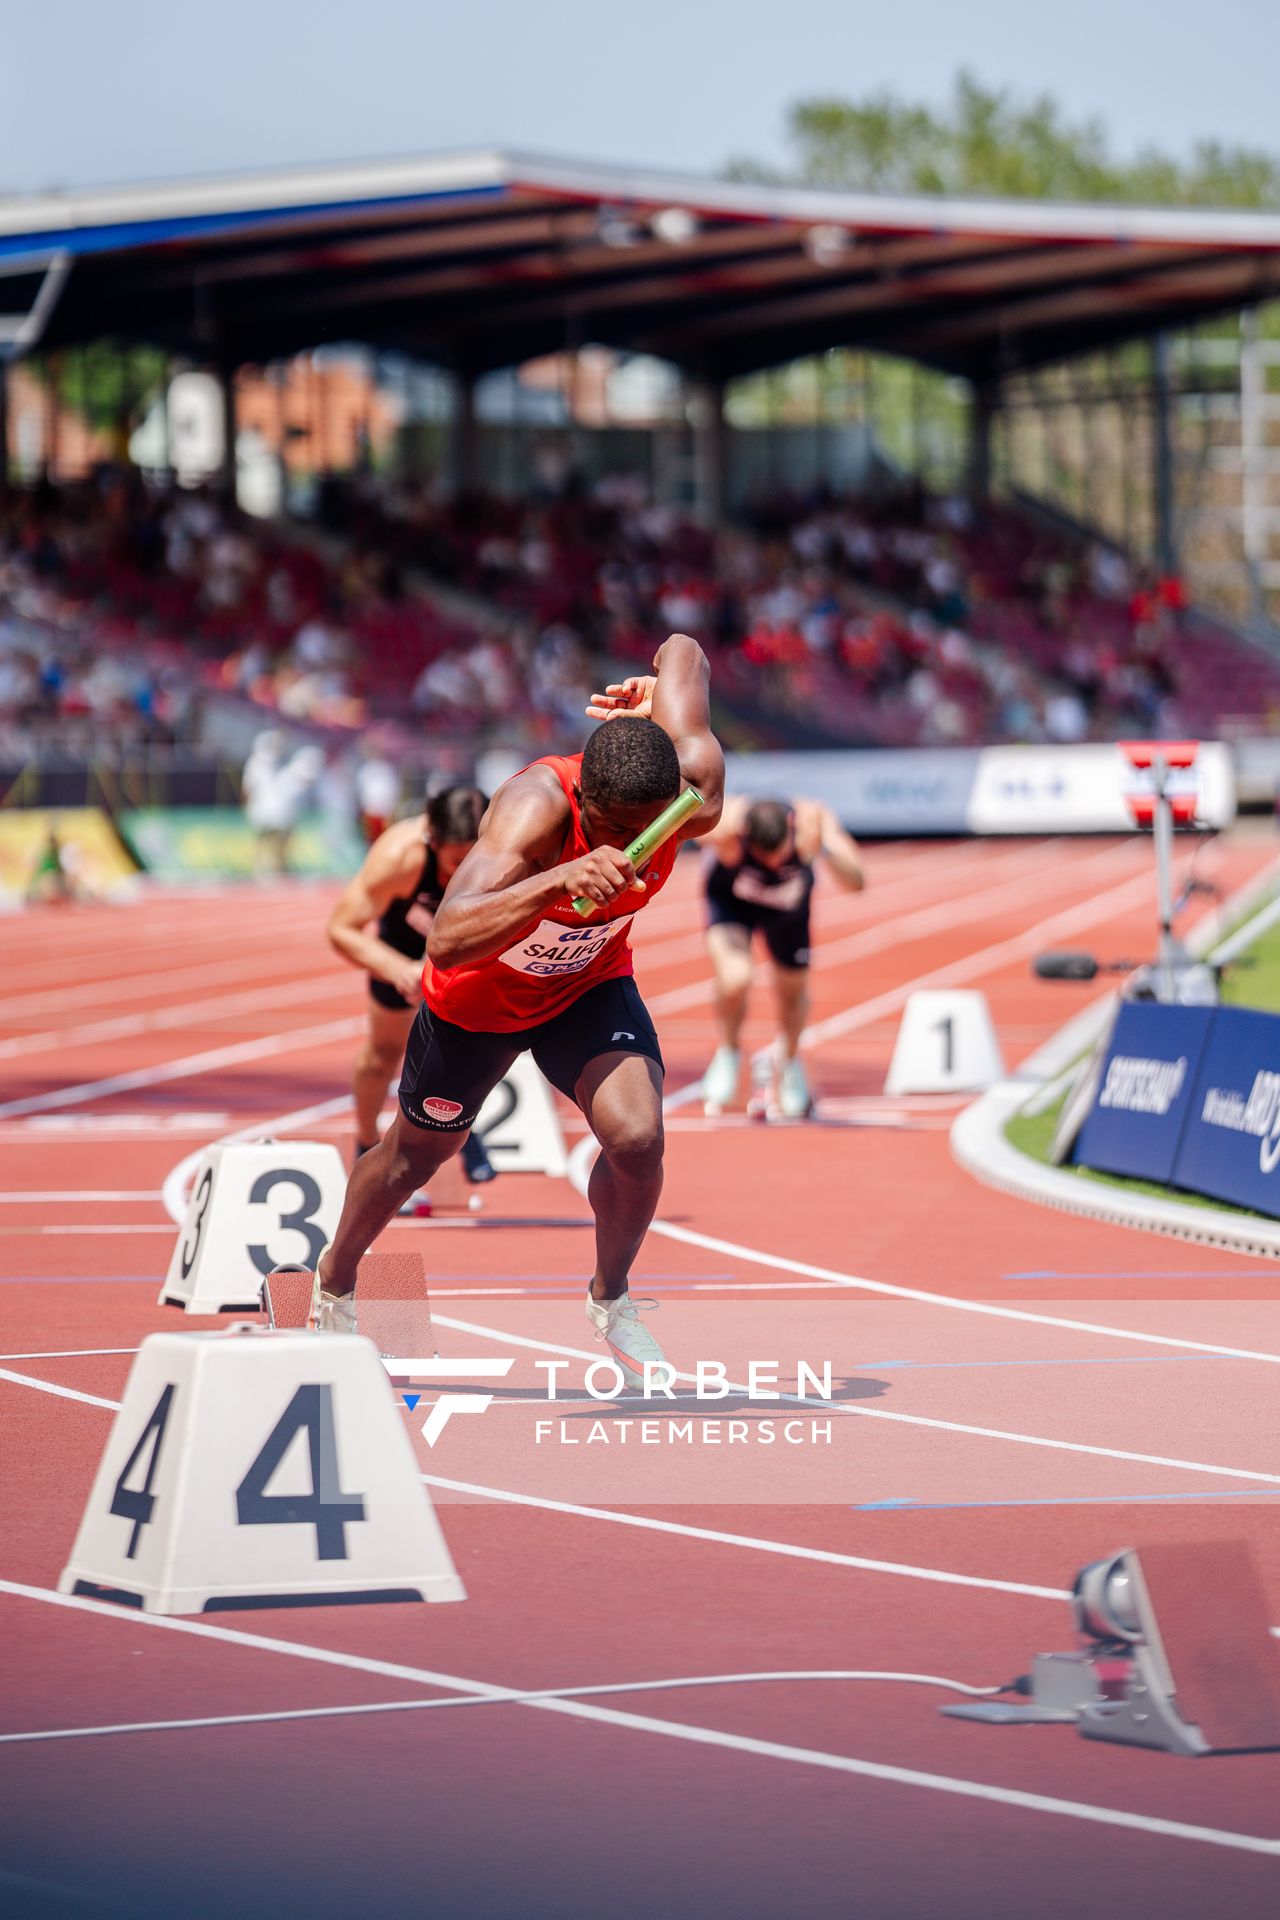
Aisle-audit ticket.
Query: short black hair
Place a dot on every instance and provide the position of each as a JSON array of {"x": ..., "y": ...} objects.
[
  {"x": 768, "y": 824},
  {"x": 454, "y": 814},
  {"x": 630, "y": 762}
]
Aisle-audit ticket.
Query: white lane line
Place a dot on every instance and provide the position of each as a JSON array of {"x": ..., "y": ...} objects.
[
  {"x": 574, "y": 1291},
  {"x": 59, "y": 1393},
  {"x": 178, "y": 1180},
  {"x": 862, "y": 1013},
  {"x": 188, "y": 1067},
  {"x": 70, "y": 1353},
  {"x": 787, "y": 1549},
  {"x": 784, "y": 1548},
  {"x": 836, "y": 909},
  {"x": 229, "y": 934},
  {"x": 78, "y": 995},
  {"x": 754, "y": 1256},
  {"x": 676, "y": 1730},
  {"x": 939, "y": 918},
  {"x": 989, "y": 959},
  {"x": 77, "y": 1196},
  {"x": 103, "y": 1227},
  {"x": 205, "y": 1010},
  {"x": 847, "y": 1408}
]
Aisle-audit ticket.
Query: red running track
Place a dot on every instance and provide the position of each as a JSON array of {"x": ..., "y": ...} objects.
[{"x": 1016, "y": 1451}]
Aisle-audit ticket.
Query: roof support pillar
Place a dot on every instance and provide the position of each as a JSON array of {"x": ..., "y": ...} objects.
[
  {"x": 225, "y": 375},
  {"x": 464, "y": 438},
  {"x": 1166, "y": 533},
  {"x": 4, "y": 427},
  {"x": 984, "y": 402},
  {"x": 710, "y": 450}
]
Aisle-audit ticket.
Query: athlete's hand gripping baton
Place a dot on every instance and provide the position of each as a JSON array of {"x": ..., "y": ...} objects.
[{"x": 653, "y": 837}]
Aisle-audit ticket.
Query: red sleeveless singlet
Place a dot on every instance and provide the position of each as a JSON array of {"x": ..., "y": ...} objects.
[{"x": 553, "y": 960}]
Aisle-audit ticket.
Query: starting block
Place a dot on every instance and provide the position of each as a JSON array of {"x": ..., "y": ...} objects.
[
  {"x": 254, "y": 1205},
  {"x": 251, "y": 1469},
  {"x": 287, "y": 1293},
  {"x": 519, "y": 1124},
  {"x": 1175, "y": 1654},
  {"x": 393, "y": 1307},
  {"x": 946, "y": 1044}
]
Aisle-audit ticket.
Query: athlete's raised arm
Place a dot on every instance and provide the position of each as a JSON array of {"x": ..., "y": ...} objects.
[
  {"x": 677, "y": 695},
  {"x": 819, "y": 832},
  {"x": 514, "y": 872}
]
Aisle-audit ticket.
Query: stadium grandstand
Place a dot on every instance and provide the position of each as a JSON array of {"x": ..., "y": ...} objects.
[
  {"x": 464, "y": 611},
  {"x": 565, "y": 751}
]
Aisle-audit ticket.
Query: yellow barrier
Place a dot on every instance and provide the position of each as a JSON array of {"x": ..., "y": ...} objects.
[{"x": 82, "y": 840}]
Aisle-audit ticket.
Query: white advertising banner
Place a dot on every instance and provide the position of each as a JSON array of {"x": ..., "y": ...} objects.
[
  {"x": 918, "y": 790},
  {"x": 988, "y": 790},
  {"x": 1084, "y": 789}
]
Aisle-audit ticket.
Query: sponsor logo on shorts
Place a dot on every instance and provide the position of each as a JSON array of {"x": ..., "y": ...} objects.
[
  {"x": 623, "y": 1036},
  {"x": 442, "y": 1110}
]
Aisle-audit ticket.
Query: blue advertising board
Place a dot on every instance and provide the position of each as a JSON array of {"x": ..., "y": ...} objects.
[
  {"x": 1145, "y": 1090},
  {"x": 1230, "y": 1145}
]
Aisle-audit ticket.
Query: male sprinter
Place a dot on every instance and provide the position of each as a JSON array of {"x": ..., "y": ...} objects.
[
  {"x": 759, "y": 879},
  {"x": 398, "y": 889},
  {"x": 512, "y": 965}
]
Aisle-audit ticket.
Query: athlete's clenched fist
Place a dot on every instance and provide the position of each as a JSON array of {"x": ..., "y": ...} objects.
[{"x": 600, "y": 876}]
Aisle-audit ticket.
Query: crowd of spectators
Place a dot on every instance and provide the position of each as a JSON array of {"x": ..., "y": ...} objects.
[{"x": 902, "y": 621}]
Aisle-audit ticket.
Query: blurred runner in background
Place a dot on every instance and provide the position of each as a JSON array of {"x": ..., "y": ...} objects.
[
  {"x": 759, "y": 879},
  {"x": 381, "y": 924}
]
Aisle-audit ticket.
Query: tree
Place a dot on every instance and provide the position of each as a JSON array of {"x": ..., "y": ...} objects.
[{"x": 987, "y": 141}]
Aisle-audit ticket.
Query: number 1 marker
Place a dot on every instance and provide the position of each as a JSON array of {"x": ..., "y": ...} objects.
[{"x": 653, "y": 837}]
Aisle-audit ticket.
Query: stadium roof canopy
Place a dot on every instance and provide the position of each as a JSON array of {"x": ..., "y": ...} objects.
[{"x": 486, "y": 259}]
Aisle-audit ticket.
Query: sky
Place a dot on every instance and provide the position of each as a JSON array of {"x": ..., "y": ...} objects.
[{"x": 98, "y": 91}]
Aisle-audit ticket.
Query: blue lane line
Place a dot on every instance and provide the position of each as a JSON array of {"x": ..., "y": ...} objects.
[
  {"x": 526, "y": 1279},
  {"x": 438, "y": 1279},
  {"x": 1077, "y": 1500},
  {"x": 1145, "y": 1273},
  {"x": 1107, "y": 1360}
]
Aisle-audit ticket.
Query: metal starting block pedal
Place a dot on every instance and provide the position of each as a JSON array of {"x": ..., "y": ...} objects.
[{"x": 1200, "y": 1678}]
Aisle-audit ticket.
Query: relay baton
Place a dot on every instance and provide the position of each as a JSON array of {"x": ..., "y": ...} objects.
[{"x": 653, "y": 837}]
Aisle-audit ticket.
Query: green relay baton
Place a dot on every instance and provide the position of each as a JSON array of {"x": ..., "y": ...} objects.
[{"x": 653, "y": 837}]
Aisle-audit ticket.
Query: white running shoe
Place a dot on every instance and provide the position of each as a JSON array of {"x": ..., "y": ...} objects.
[
  {"x": 792, "y": 1091},
  {"x": 628, "y": 1339},
  {"x": 720, "y": 1081},
  {"x": 331, "y": 1312}
]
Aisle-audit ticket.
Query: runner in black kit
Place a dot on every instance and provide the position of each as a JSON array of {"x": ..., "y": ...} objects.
[
  {"x": 399, "y": 888},
  {"x": 759, "y": 879}
]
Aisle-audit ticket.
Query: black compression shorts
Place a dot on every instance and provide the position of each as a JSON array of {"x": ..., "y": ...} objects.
[
  {"x": 785, "y": 931},
  {"x": 449, "y": 1072},
  {"x": 386, "y": 995}
]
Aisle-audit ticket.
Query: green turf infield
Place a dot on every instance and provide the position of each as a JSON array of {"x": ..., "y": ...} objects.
[{"x": 1255, "y": 985}]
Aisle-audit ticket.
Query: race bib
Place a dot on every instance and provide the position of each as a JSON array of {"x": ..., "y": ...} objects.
[{"x": 553, "y": 949}]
